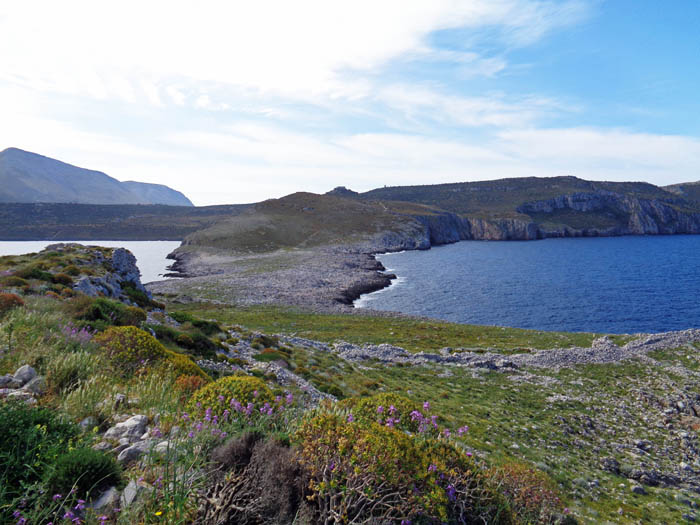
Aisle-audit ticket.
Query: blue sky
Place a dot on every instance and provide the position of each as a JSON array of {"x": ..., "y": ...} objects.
[{"x": 240, "y": 101}]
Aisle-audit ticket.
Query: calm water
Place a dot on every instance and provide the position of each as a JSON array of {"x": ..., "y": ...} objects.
[
  {"x": 612, "y": 285},
  {"x": 150, "y": 255}
]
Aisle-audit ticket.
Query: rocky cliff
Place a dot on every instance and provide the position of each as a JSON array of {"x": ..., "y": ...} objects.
[{"x": 593, "y": 214}]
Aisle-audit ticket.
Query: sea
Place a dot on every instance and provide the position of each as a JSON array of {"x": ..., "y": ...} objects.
[
  {"x": 606, "y": 285},
  {"x": 150, "y": 255}
]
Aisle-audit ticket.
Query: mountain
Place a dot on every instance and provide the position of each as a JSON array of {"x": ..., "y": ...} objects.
[
  {"x": 157, "y": 193},
  {"x": 29, "y": 177}
]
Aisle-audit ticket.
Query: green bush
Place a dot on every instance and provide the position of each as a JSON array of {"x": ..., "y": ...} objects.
[
  {"x": 32, "y": 440},
  {"x": 532, "y": 496},
  {"x": 239, "y": 387},
  {"x": 86, "y": 470},
  {"x": 72, "y": 270},
  {"x": 62, "y": 278},
  {"x": 105, "y": 311},
  {"x": 8, "y": 301},
  {"x": 12, "y": 281},
  {"x": 378, "y": 408},
  {"x": 129, "y": 349},
  {"x": 34, "y": 272},
  {"x": 181, "y": 317},
  {"x": 138, "y": 296},
  {"x": 370, "y": 472}
]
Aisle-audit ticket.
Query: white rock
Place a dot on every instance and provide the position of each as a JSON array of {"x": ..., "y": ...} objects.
[
  {"x": 133, "y": 428},
  {"x": 24, "y": 374}
]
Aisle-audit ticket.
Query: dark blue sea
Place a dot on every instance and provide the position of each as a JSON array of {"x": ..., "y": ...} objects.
[{"x": 609, "y": 285}]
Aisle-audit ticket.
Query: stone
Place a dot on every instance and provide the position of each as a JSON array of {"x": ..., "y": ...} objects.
[
  {"x": 102, "y": 446},
  {"x": 133, "y": 452},
  {"x": 131, "y": 493},
  {"x": 689, "y": 517},
  {"x": 36, "y": 386},
  {"x": 119, "y": 400},
  {"x": 88, "y": 423},
  {"x": 108, "y": 499},
  {"x": 162, "y": 447},
  {"x": 22, "y": 396},
  {"x": 9, "y": 381},
  {"x": 24, "y": 374},
  {"x": 133, "y": 428},
  {"x": 638, "y": 489}
]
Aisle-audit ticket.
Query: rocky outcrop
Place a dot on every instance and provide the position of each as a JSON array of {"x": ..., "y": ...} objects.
[
  {"x": 122, "y": 271},
  {"x": 625, "y": 215}
]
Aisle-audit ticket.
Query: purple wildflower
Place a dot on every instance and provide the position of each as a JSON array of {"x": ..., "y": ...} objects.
[
  {"x": 432, "y": 468},
  {"x": 450, "y": 490},
  {"x": 56, "y": 497},
  {"x": 380, "y": 409},
  {"x": 290, "y": 398},
  {"x": 350, "y": 418},
  {"x": 426, "y": 405}
]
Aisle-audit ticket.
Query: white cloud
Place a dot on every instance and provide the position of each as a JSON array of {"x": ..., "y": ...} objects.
[{"x": 298, "y": 49}]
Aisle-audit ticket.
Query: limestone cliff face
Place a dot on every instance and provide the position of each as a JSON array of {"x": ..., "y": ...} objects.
[{"x": 625, "y": 215}]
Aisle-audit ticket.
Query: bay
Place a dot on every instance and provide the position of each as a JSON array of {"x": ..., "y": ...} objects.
[
  {"x": 150, "y": 255},
  {"x": 607, "y": 285}
]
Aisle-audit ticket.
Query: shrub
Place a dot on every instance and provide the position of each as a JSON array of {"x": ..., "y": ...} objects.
[
  {"x": 34, "y": 272},
  {"x": 183, "y": 365},
  {"x": 138, "y": 296},
  {"x": 72, "y": 269},
  {"x": 206, "y": 327},
  {"x": 86, "y": 470},
  {"x": 8, "y": 301},
  {"x": 14, "y": 281},
  {"x": 189, "y": 384},
  {"x": 129, "y": 348},
  {"x": 203, "y": 345},
  {"x": 267, "y": 486},
  {"x": 181, "y": 317},
  {"x": 99, "y": 311},
  {"x": 366, "y": 471},
  {"x": 62, "y": 278},
  {"x": 184, "y": 341},
  {"x": 240, "y": 388},
  {"x": 378, "y": 408},
  {"x": 164, "y": 332},
  {"x": 32, "y": 440},
  {"x": 531, "y": 494}
]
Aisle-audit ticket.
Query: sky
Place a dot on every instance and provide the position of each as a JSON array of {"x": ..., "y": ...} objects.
[{"x": 234, "y": 102}]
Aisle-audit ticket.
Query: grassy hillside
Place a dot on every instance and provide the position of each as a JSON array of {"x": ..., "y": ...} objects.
[
  {"x": 501, "y": 198},
  {"x": 304, "y": 220}
]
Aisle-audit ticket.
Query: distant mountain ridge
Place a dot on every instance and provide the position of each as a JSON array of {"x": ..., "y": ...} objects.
[{"x": 27, "y": 177}]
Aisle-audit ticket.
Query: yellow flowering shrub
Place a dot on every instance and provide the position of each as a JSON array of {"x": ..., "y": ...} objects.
[
  {"x": 129, "y": 348},
  {"x": 395, "y": 408},
  {"x": 362, "y": 470},
  {"x": 218, "y": 395}
]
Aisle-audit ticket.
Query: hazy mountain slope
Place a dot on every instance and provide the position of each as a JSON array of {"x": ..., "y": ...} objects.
[
  {"x": 157, "y": 193},
  {"x": 29, "y": 177}
]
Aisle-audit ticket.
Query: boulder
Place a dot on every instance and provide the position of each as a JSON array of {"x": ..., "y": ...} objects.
[
  {"x": 9, "y": 381},
  {"x": 24, "y": 374},
  {"x": 131, "y": 493},
  {"x": 132, "y": 429},
  {"x": 108, "y": 499},
  {"x": 133, "y": 452},
  {"x": 36, "y": 386}
]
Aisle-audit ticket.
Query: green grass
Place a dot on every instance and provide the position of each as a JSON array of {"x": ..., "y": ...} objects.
[{"x": 411, "y": 334}]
